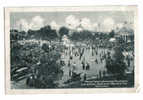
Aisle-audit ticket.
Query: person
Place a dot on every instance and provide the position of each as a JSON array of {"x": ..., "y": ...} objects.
[
  {"x": 83, "y": 65},
  {"x": 69, "y": 63},
  {"x": 101, "y": 59},
  {"x": 128, "y": 62},
  {"x": 84, "y": 77},
  {"x": 70, "y": 72},
  {"x": 104, "y": 73},
  {"x": 95, "y": 60},
  {"x": 96, "y": 52},
  {"x": 71, "y": 57},
  {"x": 87, "y": 66},
  {"x": 92, "y": 53},
  {"x": 100, "y": 74},
  {"x": 80, "y": 56},
  {"x": 62, "y": 63},
  {"x": 82, "y": 53}
]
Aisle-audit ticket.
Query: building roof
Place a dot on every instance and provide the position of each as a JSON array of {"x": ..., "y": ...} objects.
[{"x": 125, "y": 31}]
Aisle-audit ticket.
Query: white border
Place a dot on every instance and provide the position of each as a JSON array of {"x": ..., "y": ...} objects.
[{"x": 63, "y": 9}]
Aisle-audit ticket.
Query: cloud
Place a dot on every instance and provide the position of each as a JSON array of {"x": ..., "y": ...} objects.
[
  {"x": 119, "y": 25},
  {"x": 36, "y": 23},
  {"x": 85, "y": 23},
  {"x": 108, "y": 25},
  {"x": 88, "y": 25},
  {"x": 22, "y": 25},
  {"x": 95, "y": 26},
  {"x": 54, "y": 25},
  {"x": 72, "y": 22}
]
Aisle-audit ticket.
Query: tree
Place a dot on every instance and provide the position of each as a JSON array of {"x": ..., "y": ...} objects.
[
  {"x": 116, "y": 64},
  {"x": 31, "y": 32},
  {"x": 15, "y": 35},
  {"x": 30, "y": 60},
  {"x": 47, "y": 33},
  {"x": 23, "y": 59},
  {"x": 63, "y": 31},
  {"x": 83, "y": 35},
  {"x": 111, "y": 34},
  {"x": 49, "y": 70}
]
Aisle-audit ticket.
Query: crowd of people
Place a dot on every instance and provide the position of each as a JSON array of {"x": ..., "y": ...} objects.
[
  {"x": 85, "y": 61},
  {"x": 88, "y": 59}
]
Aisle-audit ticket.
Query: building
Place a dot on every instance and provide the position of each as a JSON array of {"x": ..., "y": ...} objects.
[{"x": 126, "y": 34}]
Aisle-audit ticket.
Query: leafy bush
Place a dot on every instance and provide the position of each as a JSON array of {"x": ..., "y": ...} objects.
[
  {"x": 116, "y": 65},
  {"x": 39, "y": 67}
]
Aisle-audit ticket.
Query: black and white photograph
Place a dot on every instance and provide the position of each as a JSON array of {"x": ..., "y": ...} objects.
[{"x": 71, "y": 48}]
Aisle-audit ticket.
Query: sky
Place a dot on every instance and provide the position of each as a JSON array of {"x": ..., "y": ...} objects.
[{"x": 106, "y": 20}]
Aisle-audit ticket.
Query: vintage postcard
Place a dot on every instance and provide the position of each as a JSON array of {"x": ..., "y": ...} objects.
[{"x": 87, "y": 49}]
